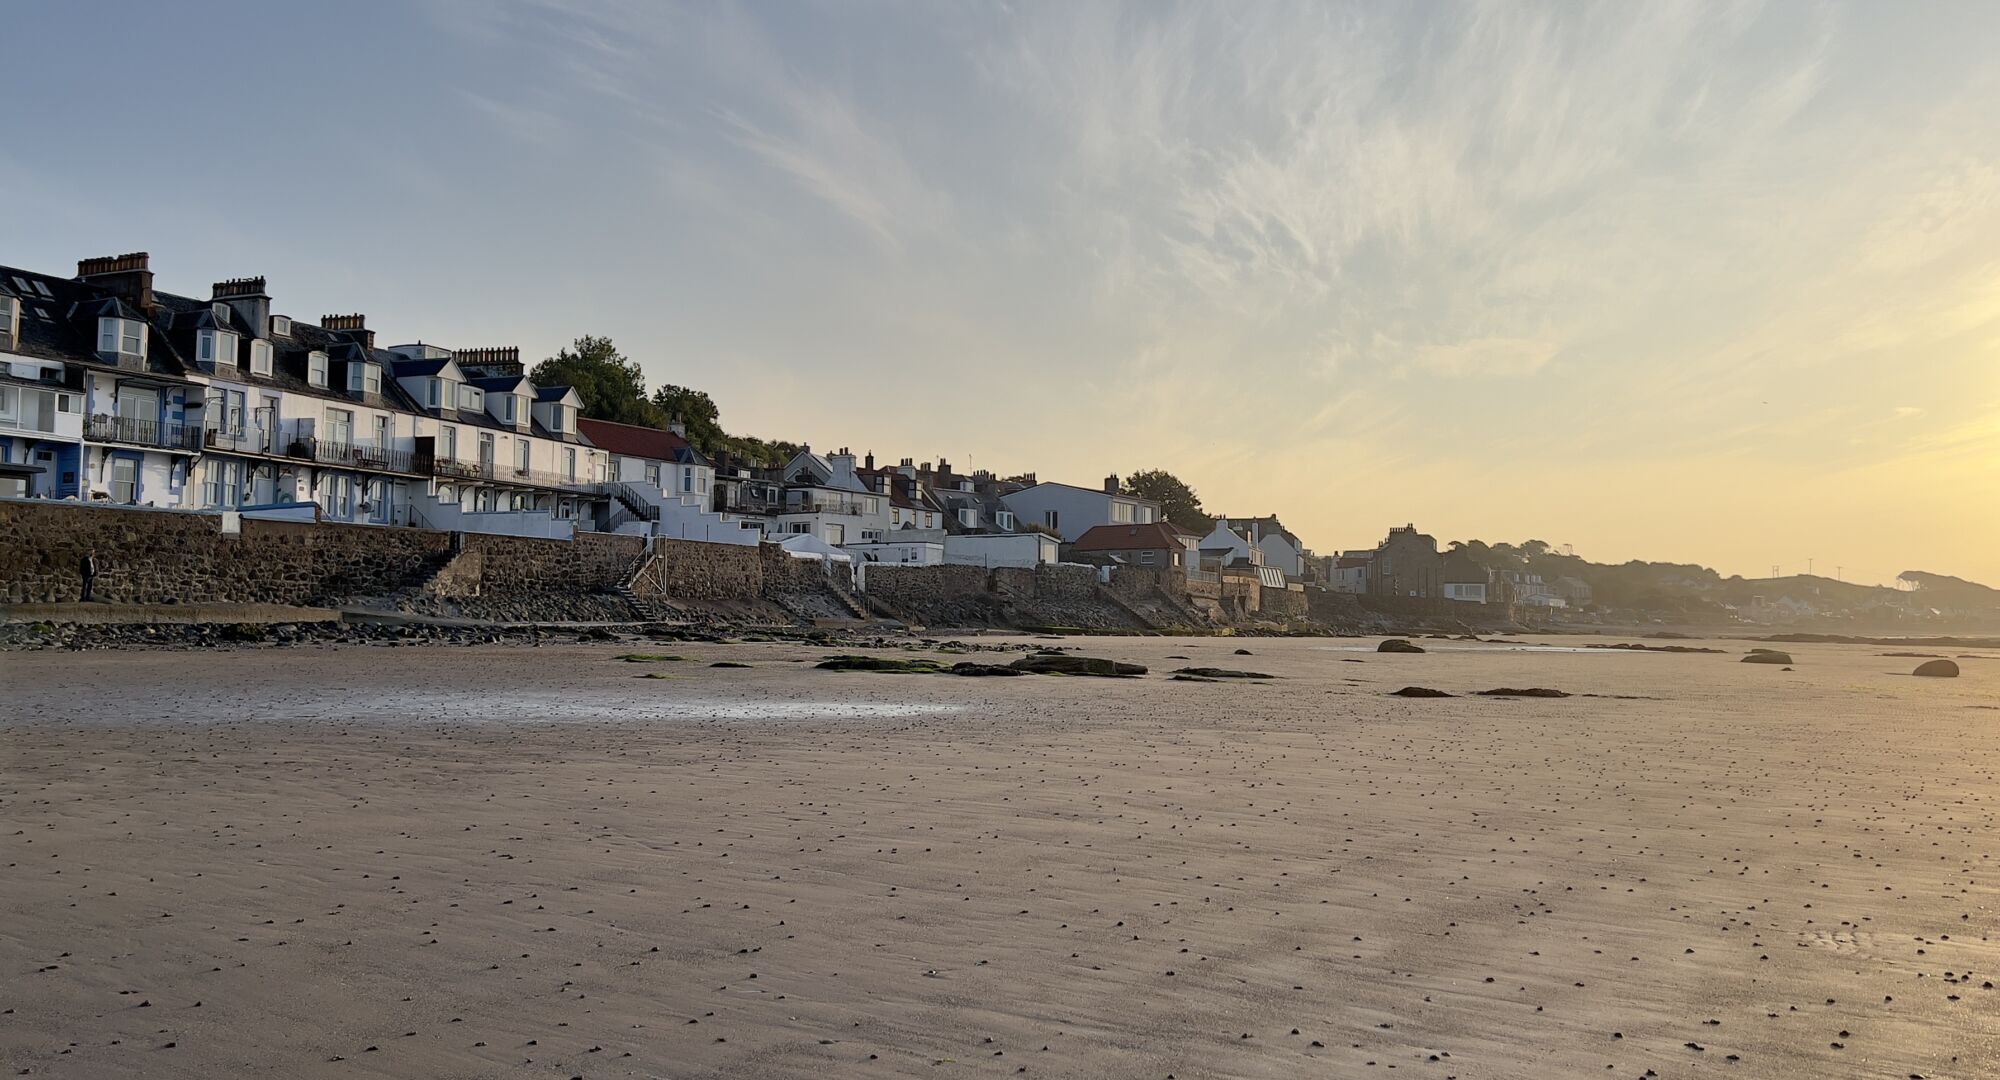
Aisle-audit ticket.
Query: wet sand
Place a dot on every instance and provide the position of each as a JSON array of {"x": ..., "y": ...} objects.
[{"x": 516, "y": 862}]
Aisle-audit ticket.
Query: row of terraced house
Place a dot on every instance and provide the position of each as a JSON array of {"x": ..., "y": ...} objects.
[{"x": 115, "y": 392}]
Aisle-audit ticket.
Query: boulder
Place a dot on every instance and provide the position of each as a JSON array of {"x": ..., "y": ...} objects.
[
  {"x": 1077, "y": 665},
  {"x": 968, "y": 668},
  {"x": 1418, "y": 691},
  {"x": 1221, "y": 673},
  {"x": 1398, "y": 645},
  {"x": 1937, "y": 669},
  {"x": 894, "y": 665},
  {"x": 1767, "y": 656},
  {"x": 1532, "y": 691}
]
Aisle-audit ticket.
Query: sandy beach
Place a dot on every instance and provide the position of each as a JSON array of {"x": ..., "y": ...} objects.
[{"x": 527, "y": 862}]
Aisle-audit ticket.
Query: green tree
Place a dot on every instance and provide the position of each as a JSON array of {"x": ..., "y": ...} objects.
[
  {"x": 611, "y": 385},
  {"x": 695, "y": 409},
  {"x": 1177, "y": 500}
]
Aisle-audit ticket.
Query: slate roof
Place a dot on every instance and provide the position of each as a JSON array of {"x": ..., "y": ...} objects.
[
  {"x": 1150, "y": 536},
  {"x": 59, "y": 322}
]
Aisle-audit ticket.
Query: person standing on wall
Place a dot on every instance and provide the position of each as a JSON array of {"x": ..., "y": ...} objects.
[{"x": 86, "y": 568}]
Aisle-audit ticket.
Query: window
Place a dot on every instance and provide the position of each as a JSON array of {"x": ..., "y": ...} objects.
[
  {"x": 220, "y": 310},
  {"x": 1121, "y": 513},
  {"x": 1146, "y": 557},
  {"x": 10, "y": 407},
  {"x": 569, "y": 463},
  {"x": 10, "y": 319},
  {"x": 653, "y": 476},
  {"x": 1052, "y": 520},
  {"x": 521, "y": 449},
  {"x": 1145, "y": 515},
  {"x": 121, "y": 337},
  {"x": 336, "y": 497},
  {"x": 508, "y": 404},
  {"x": 382, "y": 432},
  {"x": 472, "y": 397},
  {"x": 231, "y": 414},
  {"x": 316, "y": 368},
  {"x": 339, "y": 427},
  {"x": 378, "y": 501},
  {"x": 260, "y": 358},
  {"x": 872, "y": 505},
  {"x": 486, "y": 450},
  {"x": 433, "y": 391},
  {"x": 222, "y": 484},
  {"x": 448, "y": 443},
  {"x": 687, "y": 478},
  {"x": 281, "y": 326},
  {"x": 1005, "y": 518},
  {"x": 124, "y": 480}
]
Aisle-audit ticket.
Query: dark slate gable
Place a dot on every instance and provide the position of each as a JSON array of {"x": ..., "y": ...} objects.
[{"x": 62, "y": 326}]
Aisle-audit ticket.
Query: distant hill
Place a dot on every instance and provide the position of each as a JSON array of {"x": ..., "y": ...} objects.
[{"x": 1692, "y": 589}]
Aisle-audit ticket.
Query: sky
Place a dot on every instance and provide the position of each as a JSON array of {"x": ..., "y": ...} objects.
[{"x": 1687, "y": 282}]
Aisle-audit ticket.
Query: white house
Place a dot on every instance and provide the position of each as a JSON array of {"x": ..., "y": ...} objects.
[
  {"x": 1281, "y": 548},
  {"x": 1071, "y": 511},
  {"x": 824, "y": 497},
  {"x": 663, "y": 484}
]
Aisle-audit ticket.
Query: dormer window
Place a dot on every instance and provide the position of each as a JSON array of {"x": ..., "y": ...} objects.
[
  {"x": 260, "y": 358},
  {"x": 216, "y": 348},
  {"x": 316, "y": 368},
  {"x": 432, "y": 389},
  {"x": 220, "y": 310},
  {"x": 121, "y": 337},
  {"x": 364, "y": 379},
  {"x": 1005, "y": 519},
  {"x": 281, "y": 326},
  {"x": 472, "y": 398},
  {"x": 10, "y": 321},
  {"x": 508, "y": 405}
]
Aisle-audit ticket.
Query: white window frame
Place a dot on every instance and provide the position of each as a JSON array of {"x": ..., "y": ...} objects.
[
  {"x": 448, "y": 442},
  {"x": 260, "y": 357},
  {"x": 316, "y": 368},
  {"x": 10, "y": 318},
  {"x": 1004, "y": 519},
  {"x": 10, "y": 404},
  {"x": 569, "y": 463},
  {"x": 341, "y": 421},
  {"x": 382, "y": 435},
  {"x": 281, "y": 326},
  {"x": 523, "y": 451},
  {"x": 121, "y": 337}
]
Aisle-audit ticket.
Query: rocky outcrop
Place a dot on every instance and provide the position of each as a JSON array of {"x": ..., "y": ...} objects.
[
  {"x": 1398, "y": 645},
  {"x": 1767, "y": 656},
  {"x": 1937, "y": 669}
]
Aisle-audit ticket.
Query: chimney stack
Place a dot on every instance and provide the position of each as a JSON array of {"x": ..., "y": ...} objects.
[
  {"x": 1111, "y": 484},
  {"x": 490, "y": 362},
  {"x": 678, "y": 426},
  {"x": 247, "y": 298},
  {"x": 127, "y": 276},
  {"x": 355, "y": 326}
]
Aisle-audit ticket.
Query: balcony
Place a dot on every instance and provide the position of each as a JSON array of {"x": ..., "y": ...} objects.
[
  {"x": 366, "y": 457},
  {"x": 452, "y": 469},
  {"x": 135, "y": 432},
  {"x": 830, "y": 506}
]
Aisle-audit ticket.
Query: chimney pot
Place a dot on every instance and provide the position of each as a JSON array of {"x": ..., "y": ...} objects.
[
  {"x": 128, "y": 276},
  {"x": 1111, "y": 484}
]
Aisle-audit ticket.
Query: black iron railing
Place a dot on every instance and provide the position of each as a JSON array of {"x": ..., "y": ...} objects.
[{"x": 135, "y": 432}]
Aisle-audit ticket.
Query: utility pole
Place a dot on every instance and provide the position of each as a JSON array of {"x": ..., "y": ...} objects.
[
  {"x": 1774, "y": 569},
  {"x": 1809, "y": 567},
  {"x": 1837, "y": 568}
]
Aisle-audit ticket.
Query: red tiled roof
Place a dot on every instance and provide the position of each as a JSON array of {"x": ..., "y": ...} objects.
[
  {"x": 631, "y": 440},
  {"x": 1150, "y": 536}
]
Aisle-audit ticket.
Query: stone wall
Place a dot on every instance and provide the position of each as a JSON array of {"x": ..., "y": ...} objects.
[
  {"x": 784, "y": 574},
  {"x": 1335, "y": 608},
  {"x": 918, "y": 587},
  {"x": 511, "y": 566},
  {"x": 168, "y": 557},
  {"x": 1147, "y": 580},
  {"x": 1060, "y": 581},
  {"x": 1282, "y": 603},
  {"x": 690, "y": 570}
]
